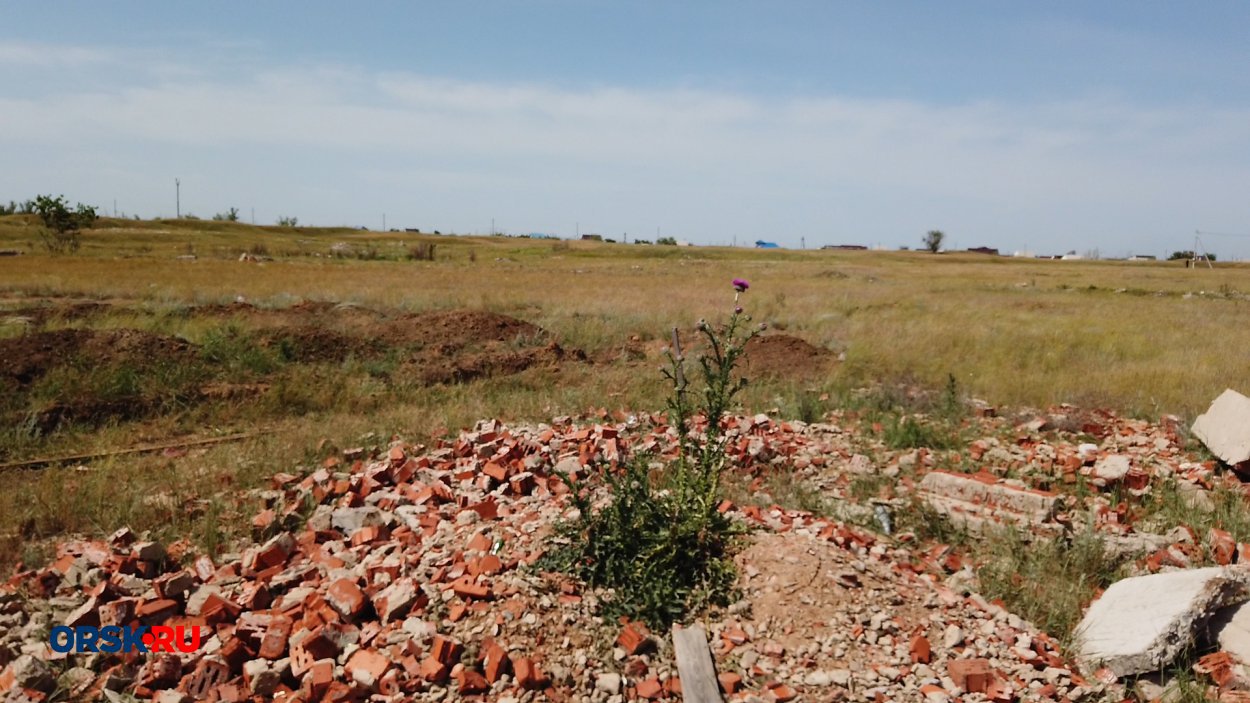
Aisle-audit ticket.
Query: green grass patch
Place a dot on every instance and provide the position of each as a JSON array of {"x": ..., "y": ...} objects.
[{"x": 1046, "y": 582}]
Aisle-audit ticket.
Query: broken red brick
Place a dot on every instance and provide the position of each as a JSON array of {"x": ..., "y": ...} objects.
[
  {"x": 469, "y": 681},
  {"x": 972, "y": 675},
  {"x": 488, "y": 565},
  {"x": 495, "y": 661},
  {"x": 346, "y": 597},
  {"x": 921, "y": 652},
  {"x": 649, "y": 688},
  {"x": 782, "y": 693},
  {"x": 1222, "y": 545},
  {"x": 467, "y": 589},
  {"x": 729, "y": 682},
  {"x": 366, "y": 667},
  {"x": 154, "y": 612},
  {"x": 634, "y": 638},
  {"x": 433, "y": 670},
  {"x": 320, "y": 676},
  {"x": 445, "y": 650},
  {"x": 528, "y": 675}
]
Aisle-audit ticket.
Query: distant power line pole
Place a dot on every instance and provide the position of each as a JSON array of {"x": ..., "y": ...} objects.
[{"x": 178, "y": 198}]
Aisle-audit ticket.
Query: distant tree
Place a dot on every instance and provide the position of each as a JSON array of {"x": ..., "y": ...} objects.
[
  {"x": 284, "y": 221},
  {"x": 933, "y": 240},
  {"x": 62, "y": 226},
  {"x": 1186, "y": 255},
  {"x": 26, "y": 207},
  {"x": 671, "y": 241},
  {"x": 231, "y": 215}
]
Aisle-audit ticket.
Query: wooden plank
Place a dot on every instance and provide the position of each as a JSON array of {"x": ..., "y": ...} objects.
[
  {"x": 39, "y": 463},
  {"x": 694, "y": 665}
]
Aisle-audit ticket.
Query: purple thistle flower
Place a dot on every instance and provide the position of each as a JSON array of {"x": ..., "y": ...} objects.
[
  {"x": 738, "y": 310},
  {"x": 741, "y": 285}
]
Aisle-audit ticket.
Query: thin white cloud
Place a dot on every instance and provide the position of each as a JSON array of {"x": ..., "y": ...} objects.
[
  {"x": 991, "y": 169},
  {"x": 21, "y": 54}
]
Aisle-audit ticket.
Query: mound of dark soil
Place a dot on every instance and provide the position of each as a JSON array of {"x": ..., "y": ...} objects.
[
  {"x": 467, "y": 367},
  {"x": 24, "y": 360},
  {"x": 453, "y": 330},
  {"x": 784, "y": 356}
]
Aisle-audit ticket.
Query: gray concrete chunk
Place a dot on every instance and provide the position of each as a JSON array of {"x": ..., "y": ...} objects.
[
  {"x": 1231, "y": 627},
  {"x": 349, "y": 521},
  {"x": 1140, "y": 624},
  {"x": 979, "y": 501},
  {"x": 1225, "y": 427}
]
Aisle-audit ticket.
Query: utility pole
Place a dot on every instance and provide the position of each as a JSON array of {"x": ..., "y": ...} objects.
[
  {"x": 384, "y": 222},
  {"x": 802, "y": 242},
  {"x": 253, "y": 215},
  {"x": 114, "y": 207},
  {"x": 178, "y": 197},
  {"x": 492, "y": 226}
]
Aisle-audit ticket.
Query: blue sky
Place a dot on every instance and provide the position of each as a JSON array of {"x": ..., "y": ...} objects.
[{"x": 1120, "y": 126}]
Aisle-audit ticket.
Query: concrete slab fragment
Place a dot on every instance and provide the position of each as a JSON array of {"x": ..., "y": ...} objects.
[
  {"x": 1225, "y": 427},
  {"x": 1231, "y": 627},
  {"x": 1140, "y": 624},
  {"x": 978, "y": 501}
]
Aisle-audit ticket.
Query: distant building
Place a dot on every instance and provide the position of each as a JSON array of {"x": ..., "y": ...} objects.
[
  {"x": 1143, "y": 257},
  {"x": 983, "y": 250},
  {"x": 846, "y": 247},
  {"x": 592, "y": 237},
  {"x": 761, "y": 244}
]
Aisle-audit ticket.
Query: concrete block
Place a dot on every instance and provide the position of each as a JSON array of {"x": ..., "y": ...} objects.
[
  {"x": 1225, "y": 427},
  {"x": 975, "y": 500},
  {"x": 1231, "y": 628},
  {"x": 1140, "y": 624}
]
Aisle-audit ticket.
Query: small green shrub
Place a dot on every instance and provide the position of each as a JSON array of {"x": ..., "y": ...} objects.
[
  {"x": 660, "y": 541},
  {"x": 62, "y": 227}
]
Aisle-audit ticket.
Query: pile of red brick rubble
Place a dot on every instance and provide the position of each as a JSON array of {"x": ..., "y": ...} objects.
[{"x": 405, "y": 573}]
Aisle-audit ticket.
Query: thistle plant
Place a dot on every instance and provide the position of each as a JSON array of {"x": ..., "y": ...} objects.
[
  {"x": 701, "y": 457},
  {"x": 661, "y": 543}
]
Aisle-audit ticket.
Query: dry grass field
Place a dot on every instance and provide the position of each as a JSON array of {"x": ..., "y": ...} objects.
[{"x": 156, "y": 331}]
